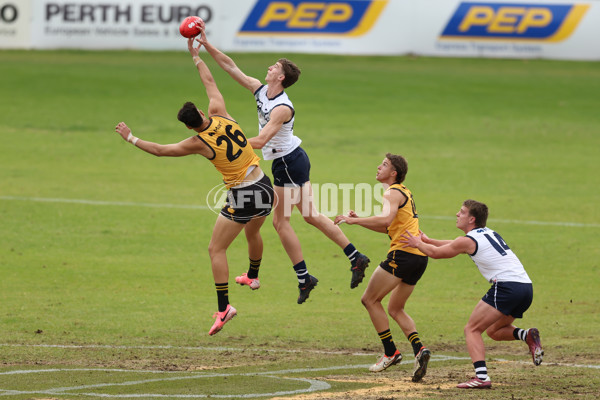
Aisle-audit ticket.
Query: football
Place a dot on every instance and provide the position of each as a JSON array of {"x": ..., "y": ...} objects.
[{"x": 191, "y": 27}]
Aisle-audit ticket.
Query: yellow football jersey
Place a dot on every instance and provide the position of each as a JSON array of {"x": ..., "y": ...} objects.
[
  {"x": 233, "y": 155},
  {"x": 406, "y": 220}
]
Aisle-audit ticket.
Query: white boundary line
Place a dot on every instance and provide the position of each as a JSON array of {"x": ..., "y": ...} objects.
[
  {"x": 166, "y": 347},
  {"x": 314, "y": 384},
  {"x": 103, "y": 203},
  {"x": 435, "y": 357},
  {"x": 204, "y": 207}
]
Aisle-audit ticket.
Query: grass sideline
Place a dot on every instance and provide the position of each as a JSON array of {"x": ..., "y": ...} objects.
[{"x": 521, "y": 136}]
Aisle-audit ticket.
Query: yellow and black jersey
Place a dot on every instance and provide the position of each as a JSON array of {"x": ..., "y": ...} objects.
[
  {"x": 233, "y": 155},
  {"x": 406, "y": 219}
]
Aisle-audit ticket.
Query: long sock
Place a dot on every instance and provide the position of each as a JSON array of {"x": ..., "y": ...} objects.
[
  {"x": 520, "y": 334},
  {"x": 351, "y": 252},
  {"x": 222, "y": 295},
  {"x": 480, "y": 370},
  {"x": 253, "y": 269},
  {"x": 414, "y": 340},
  {"x": 301, "y": 272},
  {"x": 388, "y": 342}
]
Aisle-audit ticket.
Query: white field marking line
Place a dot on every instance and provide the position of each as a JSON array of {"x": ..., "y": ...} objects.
[
  {"x": 434, "y": 357},
  {"x": 201, "y": 207},
  {"x": 103, "y": 203},
  {"x": 524, "y": 222},
  {"x": 315, "y": 385},
  {"x": 141, "y": 347},
  {"x": 552, "y": 364}
]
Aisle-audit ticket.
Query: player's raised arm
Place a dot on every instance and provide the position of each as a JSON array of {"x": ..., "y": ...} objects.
[
  {"x": 216, "y": 102},
  {"x": 229, "y": 66}
]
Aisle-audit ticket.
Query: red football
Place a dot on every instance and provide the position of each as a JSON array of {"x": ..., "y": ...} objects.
[{"x": 191, "y": 27}]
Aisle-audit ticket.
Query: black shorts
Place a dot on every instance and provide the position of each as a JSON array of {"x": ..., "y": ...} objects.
[
  {"x": 246, "y": 203},
  {"x": 293, "y": 169},
  {"x": 406, "y": 266},
  {"x": 510, "y": 298}
]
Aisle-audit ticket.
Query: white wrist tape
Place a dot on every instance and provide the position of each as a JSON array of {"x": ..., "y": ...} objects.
[{"x": 132, "y": 139}]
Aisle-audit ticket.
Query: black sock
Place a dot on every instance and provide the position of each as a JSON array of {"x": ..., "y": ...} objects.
[
  {"x": 414, "y": 340},
  {"x": 351, "y": 252},
  {"x": 222, "y": 295},
  {"x": 388, "y": 342},
  {"x": 253, "y": 269},
  {"x": 520, "y": 334},
  {"x": 480, "y": 370},
  {"x": 301, "y": 272}
]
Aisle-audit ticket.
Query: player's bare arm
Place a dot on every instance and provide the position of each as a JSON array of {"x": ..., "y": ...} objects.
[
  {"x": 279, "y": 116},
  {"x": 229, "y": 66},
  {"x": 451, "y": 248},
  {"x": 191, "y": 145},
  {"x": 378, "y": 223},
  {"x": 435, "y": 242},
  {"x": 216, "y": 102}
]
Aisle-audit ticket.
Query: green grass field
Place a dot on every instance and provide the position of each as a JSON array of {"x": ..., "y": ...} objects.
[{"x": 105, "y": 282}]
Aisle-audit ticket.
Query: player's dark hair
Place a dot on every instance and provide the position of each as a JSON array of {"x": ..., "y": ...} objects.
[
  {"x": 400, "y": 165},
  {"x": 291, "y": 72},
  {"x": 190, "y": 116},
  {"x": 477, "y": 210}
]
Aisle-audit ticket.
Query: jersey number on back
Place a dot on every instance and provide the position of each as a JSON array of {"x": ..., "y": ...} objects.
[
  {"x": 236, "y": 137},
  {"x": 499, "y": 245}
]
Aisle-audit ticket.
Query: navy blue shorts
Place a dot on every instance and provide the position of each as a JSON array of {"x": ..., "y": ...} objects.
[
  {"x": 293, "y": 169},
  {"x": 406, "y": 266},
  {"x": 244, "y": 204},
  {"x": 510, "y": 298}
]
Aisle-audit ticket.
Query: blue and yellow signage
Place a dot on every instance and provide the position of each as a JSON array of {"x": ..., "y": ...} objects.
[
  {"x": 336, "y": 17},
  {"x": 521, "y": 21}
]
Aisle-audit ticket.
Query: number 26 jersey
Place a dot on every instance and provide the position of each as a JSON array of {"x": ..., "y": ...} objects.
[{"x": 233, "y": 155}]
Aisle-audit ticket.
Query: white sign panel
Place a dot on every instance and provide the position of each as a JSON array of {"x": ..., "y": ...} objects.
[
  {"x": 115, "y": 25},
  {"x": 559, "y": 29},
  {"x": 15, "y": 24},
  {"x": 508, "y": 29},
  {"x": 329, "y": 27}
]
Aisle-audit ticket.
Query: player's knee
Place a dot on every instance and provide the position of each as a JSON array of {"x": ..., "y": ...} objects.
[
  {"x": 311, "y": 219},
  {"x": 278, "y": 225},
  {"x": 213, "y": 249},
  {"x": 367, "y": 301},
  {"x": 394, "y": 312},
  {"x": 467, "y": 329},
  {"x": 364, "y": 301},
  {"x": 493, "y": 334}
]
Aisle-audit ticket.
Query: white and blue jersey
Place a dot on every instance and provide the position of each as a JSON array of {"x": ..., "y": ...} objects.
[
  {"x": 495, "y": 260},
  {"x": 284, "y": 141}
]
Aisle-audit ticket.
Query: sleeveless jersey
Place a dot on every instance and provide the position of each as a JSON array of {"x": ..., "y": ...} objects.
[
  {"x": 406, "y": 220},
  {"x": 495, "y": 260},
  {"x": 284, "y": 141},
  {"x": 233, "y": 155}
]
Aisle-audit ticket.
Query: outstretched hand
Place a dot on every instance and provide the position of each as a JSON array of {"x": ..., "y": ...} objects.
[
  {"x": 410, "y": 240},
  {"x": 123, "y": 130},
  {"x": 194, "y": 51},
  {"x": 340, "y": 219},
  {"x": 201, "y": 38}
]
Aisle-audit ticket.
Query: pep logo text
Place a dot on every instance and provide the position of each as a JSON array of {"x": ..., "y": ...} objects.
[
  {"x": 349, "y": 17},
  {"x": 540, "y": 22}
]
